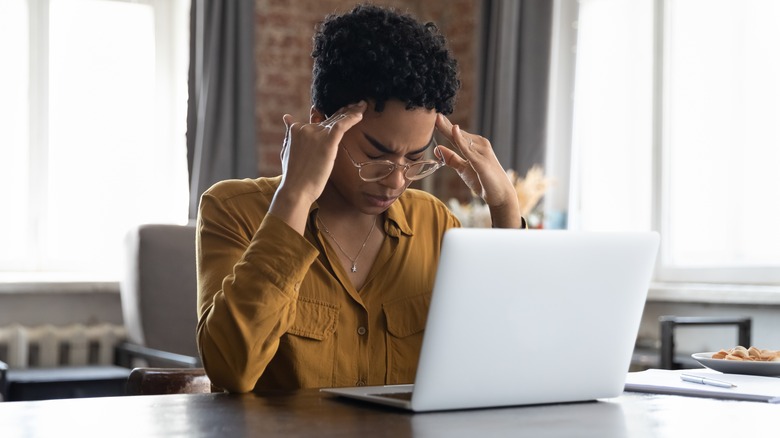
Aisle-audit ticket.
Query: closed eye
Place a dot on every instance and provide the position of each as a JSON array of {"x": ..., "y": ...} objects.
[
  {"x": 412, "y": 156},
  {"x": 382, "y": 157}
]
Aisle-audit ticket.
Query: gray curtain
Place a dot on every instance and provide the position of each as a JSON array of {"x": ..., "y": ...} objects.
[
  {"x": 512, "y": 108},
  {"x": 221, "y": 107}
]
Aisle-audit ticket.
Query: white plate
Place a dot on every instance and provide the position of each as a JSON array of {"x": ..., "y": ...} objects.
[{"x": 755, "y": 368}]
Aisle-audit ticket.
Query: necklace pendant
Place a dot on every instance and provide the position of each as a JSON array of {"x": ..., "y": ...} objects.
[{"x": 354, "y": 267}]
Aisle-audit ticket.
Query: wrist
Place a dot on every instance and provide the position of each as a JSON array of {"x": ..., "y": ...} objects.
[
  {"x": 507, "y": 215},
  {"x": 291, "y": 207}
]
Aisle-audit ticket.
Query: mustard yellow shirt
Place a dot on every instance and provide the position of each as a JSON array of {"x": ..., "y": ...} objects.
[{"x": 277, "y": 310}]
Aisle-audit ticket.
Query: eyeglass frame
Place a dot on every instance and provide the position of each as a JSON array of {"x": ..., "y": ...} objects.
[{"x": 405, "y": 167}]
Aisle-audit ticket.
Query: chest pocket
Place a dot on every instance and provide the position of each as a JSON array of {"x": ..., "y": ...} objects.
[
  {"x": 314, "y": 319},
  {"x": 405, "y": 325},
  {"x": 307, "y": 352}
]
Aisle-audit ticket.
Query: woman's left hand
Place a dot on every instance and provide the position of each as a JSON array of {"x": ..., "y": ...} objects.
[{"x": 480, "y": 169}]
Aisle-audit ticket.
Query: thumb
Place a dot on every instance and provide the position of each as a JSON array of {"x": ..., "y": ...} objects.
[
  {"x": 287, "y": 118},
  {"x": 451, "y": 158}
]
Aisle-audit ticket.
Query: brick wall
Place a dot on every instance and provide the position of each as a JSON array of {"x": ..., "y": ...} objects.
[{"x": 284, "y": 30}]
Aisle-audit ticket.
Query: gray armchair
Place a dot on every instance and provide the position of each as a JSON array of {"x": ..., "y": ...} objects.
[{"x": 159, "y": 297}]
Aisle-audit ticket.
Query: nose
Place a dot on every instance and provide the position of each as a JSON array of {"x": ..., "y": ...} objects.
[{"x": 396, "y": 179}]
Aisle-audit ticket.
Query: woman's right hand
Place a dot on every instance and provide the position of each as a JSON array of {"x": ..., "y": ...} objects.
[{"x": 308, "y": 154}]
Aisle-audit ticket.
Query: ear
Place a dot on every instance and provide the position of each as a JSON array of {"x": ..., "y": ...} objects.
[{"x": 315, "y": 116}]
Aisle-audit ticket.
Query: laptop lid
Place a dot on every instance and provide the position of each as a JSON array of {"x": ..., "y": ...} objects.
[{"x": 530, "y": 317}]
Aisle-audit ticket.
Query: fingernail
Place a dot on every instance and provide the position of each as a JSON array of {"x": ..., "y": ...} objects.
[
  {"x": 356, "y": 104},
  {"x": 439, "y": 155}
]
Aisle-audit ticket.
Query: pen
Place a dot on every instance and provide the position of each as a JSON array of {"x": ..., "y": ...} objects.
[{"x": 706, "y": 381}]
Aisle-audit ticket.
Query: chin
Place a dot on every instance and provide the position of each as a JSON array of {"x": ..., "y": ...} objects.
[{"x": 377, "y": 204}]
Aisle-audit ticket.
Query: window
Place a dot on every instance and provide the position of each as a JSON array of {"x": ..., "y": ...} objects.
[
  {"x": 676, "y": 106},
  {"x": 612, "y": 117},
  {"x": 93, "y": 114}
]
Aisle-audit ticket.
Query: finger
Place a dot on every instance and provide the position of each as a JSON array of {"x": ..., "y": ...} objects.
[
  {"x": 464, "y": 140},
  {"x": 443, "y": 122},
  {"x": 330, "y": 121},
  {"x": 292, "y": 125},
  {"x": 352, "y": 114},
  {"x": 444, "y": 126},
  {"x": 453, "y": 134},
  {"x": 474, "y": 148},
  {"x": 451, "y": 158},
  {"x": 288, "y": 120},
  {"x": 343, "y": 112}
]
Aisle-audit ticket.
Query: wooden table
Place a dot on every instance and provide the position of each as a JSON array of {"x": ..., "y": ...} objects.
[{"x": 308, "y": 413}]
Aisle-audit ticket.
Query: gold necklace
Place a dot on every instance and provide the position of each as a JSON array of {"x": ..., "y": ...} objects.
[{"x": 354, "y": 261}]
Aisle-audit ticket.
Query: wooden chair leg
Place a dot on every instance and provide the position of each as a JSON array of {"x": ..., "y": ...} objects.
[{"x": 3, "y": 382}]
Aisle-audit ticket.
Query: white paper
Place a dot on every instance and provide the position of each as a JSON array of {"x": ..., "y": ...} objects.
[{"x": 753, "y": 388}]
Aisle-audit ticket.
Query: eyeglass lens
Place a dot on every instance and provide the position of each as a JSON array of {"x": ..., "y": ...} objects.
[{"x": 377, "y": 171}]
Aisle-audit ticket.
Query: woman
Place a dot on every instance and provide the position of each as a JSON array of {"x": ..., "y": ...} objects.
[{"x": 322, "y": 276}]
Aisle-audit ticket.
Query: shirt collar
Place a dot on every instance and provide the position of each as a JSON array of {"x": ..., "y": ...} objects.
[
  {"x": 395, "y": 224},
  {"x": 397, "y": 217}
]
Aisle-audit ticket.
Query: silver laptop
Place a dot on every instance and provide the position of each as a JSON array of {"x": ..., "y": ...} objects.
[{"x": 521, "y": 317}]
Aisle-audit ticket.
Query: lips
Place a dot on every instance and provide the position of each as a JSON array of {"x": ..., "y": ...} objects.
[{"x": 380, "y": 201}]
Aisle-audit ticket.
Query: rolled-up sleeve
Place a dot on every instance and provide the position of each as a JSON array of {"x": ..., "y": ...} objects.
[{"x": 250, "y": 267}]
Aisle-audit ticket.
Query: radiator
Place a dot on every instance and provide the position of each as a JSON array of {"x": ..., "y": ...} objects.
[{"x": 54, "y": 346}]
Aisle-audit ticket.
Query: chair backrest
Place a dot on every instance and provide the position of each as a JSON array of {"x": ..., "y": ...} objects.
[
  {"x": 154, "y": 381},
  {"x": 159, "y": 289}
]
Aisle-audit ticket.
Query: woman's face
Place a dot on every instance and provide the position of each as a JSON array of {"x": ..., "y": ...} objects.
[{"x": 396, "y": 134}]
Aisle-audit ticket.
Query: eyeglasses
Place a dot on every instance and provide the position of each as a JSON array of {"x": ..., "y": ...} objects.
[{"x": 375, "y": 170}]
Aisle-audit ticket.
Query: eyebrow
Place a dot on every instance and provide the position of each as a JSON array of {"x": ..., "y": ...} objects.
[{"x": 384, "y": 149}]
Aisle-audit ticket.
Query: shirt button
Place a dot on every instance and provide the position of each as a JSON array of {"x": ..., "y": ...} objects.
[{"x": 361, "y": 331}]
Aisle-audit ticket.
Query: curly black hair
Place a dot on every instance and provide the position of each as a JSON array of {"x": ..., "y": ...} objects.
[{"x": 373, "y": 53}]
